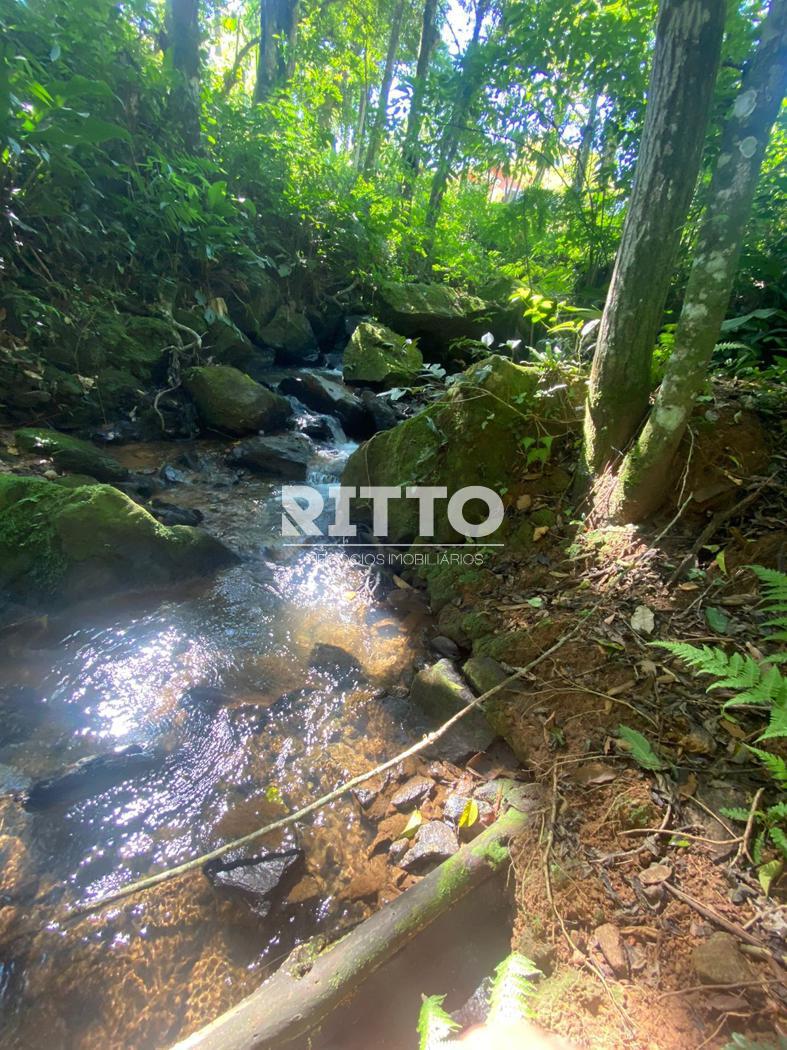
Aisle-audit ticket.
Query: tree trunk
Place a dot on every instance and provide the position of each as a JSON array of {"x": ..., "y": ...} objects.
[
  {"x": 415, "y": 118},
  {"x": 381, "y": 116},
  {"x": 646, "y": 472},
  {"x": 360, "y": 127},
  {"x": 686, "y": 58},
  {"x": 585, "y": 146},
  {"x": 275, "y": 62},
  {"x": 184, "y": 40},
  {"x": 449, "y": 141}
]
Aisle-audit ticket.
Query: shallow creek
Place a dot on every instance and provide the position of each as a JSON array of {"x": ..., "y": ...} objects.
[{"x": 258, "y": 730}]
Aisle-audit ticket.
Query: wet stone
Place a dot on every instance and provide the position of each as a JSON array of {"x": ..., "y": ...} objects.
[
  {"x": 445, "y": 646},
  {"x": 415, "y": 790},
  {"x": 335, "y": 661},
  {"x": 398, "y": 849},
  {"x": 435, "y": 842},
  {"x": 259, "y": 880}
]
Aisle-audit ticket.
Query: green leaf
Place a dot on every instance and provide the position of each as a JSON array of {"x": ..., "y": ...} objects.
[
  {"x": 641, "y": 751},
  {"x": 735, "y": 813},
  {"x": 766, "y": 873},
  {"x": 717, "y": 619},
  {"x": 414, "y": 821},
  {"x": 434, "y": 1024}
]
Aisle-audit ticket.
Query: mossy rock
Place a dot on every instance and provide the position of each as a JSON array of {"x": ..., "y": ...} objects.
[
  {"x": 290, "y": 334},
  {"x": 378, "y": 356},
  {"x": 67, "y": 544},
  {"x": 472, "y": 437},
  {"x": 435, "y": 313},
  {"x": 229, "y": 400},
  {"x": 70, "y": 454}
]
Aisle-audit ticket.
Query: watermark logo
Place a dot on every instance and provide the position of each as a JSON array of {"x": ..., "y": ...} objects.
[{"x": 304, "y": 510}]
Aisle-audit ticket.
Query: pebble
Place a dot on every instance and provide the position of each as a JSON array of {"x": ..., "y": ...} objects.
[
  {"x": 435, "y": 842},
  {"x": 718, "y": 960},
  {"x": 614, "y": 950},
  {"x": 411, "y": 792}
]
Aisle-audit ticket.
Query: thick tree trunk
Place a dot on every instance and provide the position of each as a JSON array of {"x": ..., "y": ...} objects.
[
  {"x": 275, "y": 62},
  {"x": 449, "y": 141},
  {"x": 381, "y": 116},
  {"x": 289, "y": 1005},
  {"x": 686, "y": 58},
  {"x": 646, "y": 472},
  {"x": 184, "y": 39},
  {"x": 415, "y": 118}
]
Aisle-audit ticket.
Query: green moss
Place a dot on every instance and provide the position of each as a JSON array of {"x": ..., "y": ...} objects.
[
  {"x": 70, "y": 453},
  {"x": 56, "y": 541},
  {"x": 231, "y": 401},
  {"x": 375, "y": 354}
]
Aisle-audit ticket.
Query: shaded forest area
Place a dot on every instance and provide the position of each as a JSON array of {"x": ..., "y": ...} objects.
[{"x": 396, "y": 786}]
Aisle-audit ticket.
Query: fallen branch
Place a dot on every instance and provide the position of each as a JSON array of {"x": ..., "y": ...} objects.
[
  {"x": 290, "y": 1004},
  {"x": 324, "y": 800}
]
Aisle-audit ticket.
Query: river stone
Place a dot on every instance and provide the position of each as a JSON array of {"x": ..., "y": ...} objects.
[
  {"x": 291, "y": 336},
  {"x": 465, "y": 439},
  {"x": 227, "y": 400},
  {"x": 435, "y": 842},
  {"x": 440, "y": 692},
  {"x": 171, "y": 514},
  {"x": 259, "y": 880},
  {"x": 444, "y": 646},
  {"x": 718, "y": 960},
  {"x": 413, "y": 791},
  {"x": 70, "y": 454},
  {"x": 379, "y": 410},
  {"x": 377, "y": 355},
  {"x": 283, "y": 456},
  {"x": 91, "y": 776},
  {"x": 327, "y": 396},
  {"x": 334, "y": 660},
  {"x": 73, "y": 543},
  {"x": 436, "y": 314}
]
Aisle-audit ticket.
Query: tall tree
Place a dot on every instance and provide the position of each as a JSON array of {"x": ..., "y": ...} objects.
[
  {"x": 685, "y": 62},
  {"x": 381, "y": 115},
  {"x": 276, "y": 56},
  {"x": 466, "y": 90},
  {"x": 645, "y": 475},
  {"x": 415, "y": 118},
  {"x": 183, "y": 42}
]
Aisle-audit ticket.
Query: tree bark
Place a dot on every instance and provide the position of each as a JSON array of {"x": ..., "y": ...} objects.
[
  {"x": 686, "y": 58},
  {"x": 276, "y": 58},
  {"x": 449, "y": 141},
  {"x": 183, "y": 44},
  {"x": 381, "y": 116},
  {"x": 646, "y": 473},
  {"x": 585, "y": 146},
  {"x": 410, "y": 151},
  {"x": 288, "y": 1005}
]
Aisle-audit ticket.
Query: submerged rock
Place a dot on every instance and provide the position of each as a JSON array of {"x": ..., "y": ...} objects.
[
  {"x": 325, "y": 395},
  {"x": 435, "y": 842},
  {"x": 334, "y": 660},
  {"x": 91, "y": 776},
  {"x": 259, "y": 880},
  {"x": 290, "y": 334},
  {"x": 472, "y": 437},
  {"x": 70, "y": 454},
  {"x": 171, "y": 514},
  {"x": 377, "y": 355},
  {"x": 73, "y": 543},
  {"x": 283, "y": 456},
  {"x": 230, "y": 401}
]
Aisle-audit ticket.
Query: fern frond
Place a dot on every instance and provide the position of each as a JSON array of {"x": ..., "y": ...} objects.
[
  {"x": 780, "y": 840},
  {"x": 775, "y": 765},
  {"x": 777, "y": 724},
  {"x": 778, "y": 811},
  {"x": 733, "y": 672},
  {"x": 773, "y": 585},
  {"x": 512, "y": 989},
  {"x": 434, "y": 1024}
]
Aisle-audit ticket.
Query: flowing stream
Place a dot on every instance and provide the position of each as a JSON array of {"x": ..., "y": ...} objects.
[{"x": 212, "y": 678}]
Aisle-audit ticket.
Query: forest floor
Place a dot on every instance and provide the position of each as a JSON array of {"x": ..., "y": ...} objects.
[{"x": 628, "y": 872}]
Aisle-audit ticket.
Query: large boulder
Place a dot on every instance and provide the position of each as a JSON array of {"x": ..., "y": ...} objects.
[
  {"x": 230, "y": 401},
  {"x": 290, "y": 334},
  {"x": 435, "y": 314},
  {"x": 251, "y": 303},
  {"x": 70, "y": 454},
  {"x": 334, "y": 399},
  {"x": 284, "y": 456},
  {"x": 72, "y": 543},
  {"x": 228, "y": 345},
  {"x": 473, "y": 436},
  {"x": 378, "y": 356}
]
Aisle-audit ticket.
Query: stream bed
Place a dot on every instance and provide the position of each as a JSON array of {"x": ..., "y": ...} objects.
[{"x": 217, "y": 680}]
